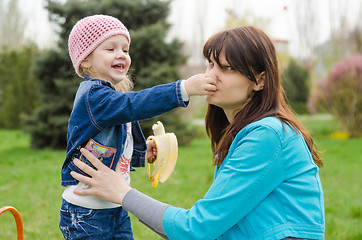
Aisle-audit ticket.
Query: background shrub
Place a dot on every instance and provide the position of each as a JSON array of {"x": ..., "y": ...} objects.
[
  {"x": 295, "y": 81},
  {"x": 340, "y": 94}
]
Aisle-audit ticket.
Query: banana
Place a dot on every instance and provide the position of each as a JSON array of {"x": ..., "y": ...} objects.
[{"x": 167, "y": 150}]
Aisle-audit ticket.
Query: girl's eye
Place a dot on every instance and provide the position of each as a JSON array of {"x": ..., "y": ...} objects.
[
  {"x": 211, "y": 64},
  {"x": 109, "y": 49}
]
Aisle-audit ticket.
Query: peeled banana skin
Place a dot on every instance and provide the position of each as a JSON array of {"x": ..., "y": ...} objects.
[{"x": 167, "y": 151}]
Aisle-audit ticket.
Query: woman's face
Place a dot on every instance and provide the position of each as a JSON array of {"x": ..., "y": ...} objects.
[{"x": 232, "y": 88}]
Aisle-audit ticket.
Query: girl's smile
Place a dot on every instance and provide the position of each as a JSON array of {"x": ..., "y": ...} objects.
[{"x": 110, "y": 61}]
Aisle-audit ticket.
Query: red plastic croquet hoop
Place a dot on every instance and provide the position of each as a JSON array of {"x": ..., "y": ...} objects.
[{"x": 18, "y": 220}]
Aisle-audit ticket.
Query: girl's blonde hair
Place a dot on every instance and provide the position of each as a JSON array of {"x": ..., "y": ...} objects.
[{"x": 125, "y": 85}]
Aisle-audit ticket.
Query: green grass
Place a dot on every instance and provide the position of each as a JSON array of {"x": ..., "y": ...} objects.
[
  {"x": 341, "y": 178},
  {"x": 30, "y": 181},
  {"x": 320, "y": 126}
]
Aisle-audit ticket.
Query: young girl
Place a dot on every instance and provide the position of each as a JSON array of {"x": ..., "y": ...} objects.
[
  {"x": 266, "y": 184},
  {"x": 104, "y": 121}
]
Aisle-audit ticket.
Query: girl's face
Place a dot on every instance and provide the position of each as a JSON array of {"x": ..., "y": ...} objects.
[
  {"x": 232, "y": 88},
  {"x": 110, "y": 61}
]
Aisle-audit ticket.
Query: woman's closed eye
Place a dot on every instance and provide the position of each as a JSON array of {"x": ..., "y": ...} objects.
[
  {"x": 228, "y": 68},
  {"x": 211, "y": 64}
]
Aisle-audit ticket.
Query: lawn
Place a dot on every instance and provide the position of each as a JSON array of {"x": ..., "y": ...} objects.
[{"x": 30, "y": 181}]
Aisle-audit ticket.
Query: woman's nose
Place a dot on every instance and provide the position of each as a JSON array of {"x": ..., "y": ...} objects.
[{"x": 214, "y": 71}]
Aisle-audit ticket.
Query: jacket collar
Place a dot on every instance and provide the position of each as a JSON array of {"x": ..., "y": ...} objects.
[{"x": 103, "y": 82}]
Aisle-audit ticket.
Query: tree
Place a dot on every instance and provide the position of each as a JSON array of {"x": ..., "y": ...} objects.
[
  {"x": 57, "y": 85},
  {"x": 12, "y": 25},
  {"x": 295, "y": 81},
  {"x": 307, "y": 26},
  {"x": 18, "y": 91},
  {"x": 340, "y": 94},
  {"x": 154, "y": 61},
  {"x": 18, "y": 95},
  {"x": 345, "y": 34},
  {"x": 247, "y": 17}
]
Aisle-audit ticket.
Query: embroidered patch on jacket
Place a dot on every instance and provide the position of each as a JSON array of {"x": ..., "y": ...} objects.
[{"x": 104, "y": 154}]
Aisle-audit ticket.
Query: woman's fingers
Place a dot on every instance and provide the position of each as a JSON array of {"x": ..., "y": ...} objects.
[
  {"x": 84, "y": 167},
  {"x": 103, "y": 181},
  {"x": 84, "y": 191},
  {"x": 80, "y": 177},
  {"x": 91, "y": 158}
]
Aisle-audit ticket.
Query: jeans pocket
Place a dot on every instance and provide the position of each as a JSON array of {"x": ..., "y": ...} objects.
[
  {"x": 77, "y": 222},
  {"x": 83, "y": 214},
  {"x": 88, "y": 224}
]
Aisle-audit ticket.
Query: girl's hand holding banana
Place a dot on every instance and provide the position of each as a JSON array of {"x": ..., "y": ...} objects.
[{"x": 167, "y": 150}]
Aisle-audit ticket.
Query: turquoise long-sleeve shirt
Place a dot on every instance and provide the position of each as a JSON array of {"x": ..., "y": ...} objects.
[{"x": 267, "y": 187}]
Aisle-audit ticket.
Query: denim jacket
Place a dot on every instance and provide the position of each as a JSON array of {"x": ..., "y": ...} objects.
[{"x": 99, "y": 116}]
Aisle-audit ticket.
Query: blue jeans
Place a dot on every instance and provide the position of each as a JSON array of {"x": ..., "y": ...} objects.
[{"x": 104, "y": 224}]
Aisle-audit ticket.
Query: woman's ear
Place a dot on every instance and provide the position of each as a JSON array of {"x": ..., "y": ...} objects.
[{"x": 260, "y": 82}]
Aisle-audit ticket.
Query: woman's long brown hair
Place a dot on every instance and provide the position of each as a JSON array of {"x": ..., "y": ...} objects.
[{"x": 251, "y": 52}]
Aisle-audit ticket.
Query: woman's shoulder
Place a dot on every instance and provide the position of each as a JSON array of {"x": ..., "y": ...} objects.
[
  {"x": 268, "y": 125},
  {"x": 268, "y": 122}
]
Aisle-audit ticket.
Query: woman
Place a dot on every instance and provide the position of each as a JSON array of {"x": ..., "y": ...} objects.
[{"x": 266, "y": 183}]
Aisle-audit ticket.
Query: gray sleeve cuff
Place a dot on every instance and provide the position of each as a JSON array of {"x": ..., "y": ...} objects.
[{"x": 148, "y": 210}]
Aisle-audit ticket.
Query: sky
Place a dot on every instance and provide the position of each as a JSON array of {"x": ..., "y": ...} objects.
[
  {"x": 187, "y": 16},
  {"x": 185, "y": 13},
  {"x": 38, "y": 26}
]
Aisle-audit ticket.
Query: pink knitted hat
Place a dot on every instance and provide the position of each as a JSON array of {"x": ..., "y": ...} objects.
[{"x": 89, "y": 32}]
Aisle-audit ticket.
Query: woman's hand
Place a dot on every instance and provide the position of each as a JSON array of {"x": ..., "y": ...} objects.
[{"x": 104, "y": 182}]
